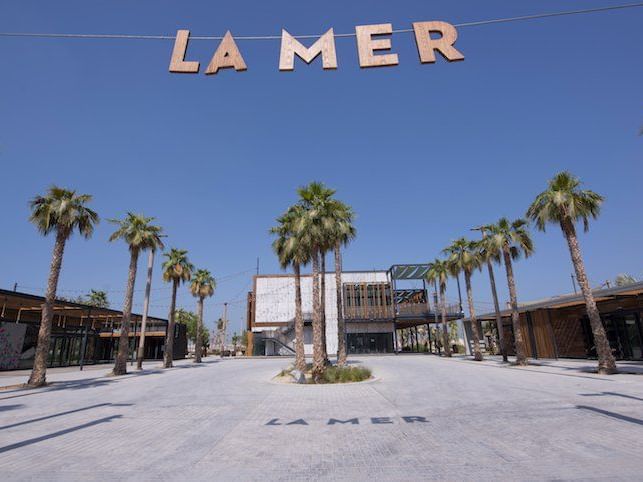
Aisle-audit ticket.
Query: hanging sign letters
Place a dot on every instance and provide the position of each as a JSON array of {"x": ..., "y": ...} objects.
[{"x": 373, "y": 48}]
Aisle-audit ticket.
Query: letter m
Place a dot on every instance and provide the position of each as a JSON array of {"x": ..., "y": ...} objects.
[
  {"x": 333, "y": 421},
  {"x": 290, "y": 46}
]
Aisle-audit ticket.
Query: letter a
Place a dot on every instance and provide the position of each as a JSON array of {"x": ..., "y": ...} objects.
[
  {"x": 290, "y": 46},
  {"x": 299, "y": 421},
  {"x": 226, "y": 56}
]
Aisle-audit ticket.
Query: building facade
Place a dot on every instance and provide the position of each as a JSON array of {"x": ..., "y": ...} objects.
[
  {"x": 81, "y": 334},
  {"x": 558, "y": 327},
  {"x": 375, "y": 304}
]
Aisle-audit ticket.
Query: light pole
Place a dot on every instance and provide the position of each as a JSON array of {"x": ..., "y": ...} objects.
[
  {"x": 146, "y": 307},
  {"x": 223, "y": 327},
  {"x": 437, "y": 326},
  {"x": 496, "y": 306}
]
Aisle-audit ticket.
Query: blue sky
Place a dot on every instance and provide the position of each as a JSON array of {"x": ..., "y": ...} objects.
[{"x": 422, "y": 152}]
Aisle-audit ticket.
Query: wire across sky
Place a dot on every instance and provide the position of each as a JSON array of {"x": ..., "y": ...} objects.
[{"x": 307, "y": 36}]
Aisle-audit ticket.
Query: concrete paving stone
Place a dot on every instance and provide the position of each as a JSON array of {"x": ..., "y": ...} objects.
[{"x": 484, "y": 421}]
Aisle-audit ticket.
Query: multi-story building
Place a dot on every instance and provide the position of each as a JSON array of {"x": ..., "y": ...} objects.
[{"x": 375, "y": 304}]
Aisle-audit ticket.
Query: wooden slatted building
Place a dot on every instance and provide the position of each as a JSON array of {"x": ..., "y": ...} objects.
[
  {"x": 81, "y": 334},
  {"x": 558, "y": 327}
]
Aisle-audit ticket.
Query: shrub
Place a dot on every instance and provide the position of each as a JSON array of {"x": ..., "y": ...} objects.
[{"x": 335, "y": 374}]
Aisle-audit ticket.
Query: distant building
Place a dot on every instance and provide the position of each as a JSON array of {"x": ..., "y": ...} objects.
[
  {"x": 375, "y": 305},
  {"x": 81, "y": 334}
]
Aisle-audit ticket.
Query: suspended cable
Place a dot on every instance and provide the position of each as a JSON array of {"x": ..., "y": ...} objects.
[{"x": 308, "y": 36}]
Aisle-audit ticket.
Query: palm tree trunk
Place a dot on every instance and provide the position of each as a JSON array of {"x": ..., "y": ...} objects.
[
  {"x": 141, "y": 343},
  {"x": 606, "y": 361},
  {"x": 322, "y": 277},
  {"x": 445, "y": 328},
  {"x": 496, "y": 306},
  {"x": 300, "y": 358},
  {"x": 477, "y": 354},
  {"x": 39, "y": 371},
  {"x": 521, "y": 359},
  {"x": 199, "y": 324},
  {"x": 318, "y": 355},
  {"x": 168, "y": 354},
  {"x": 341, "y": 324},
  {"x": 120, "y": 365}
]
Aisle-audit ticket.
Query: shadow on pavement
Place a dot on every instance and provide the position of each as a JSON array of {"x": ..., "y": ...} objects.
[
  {"x": 505, "y": 366},
  {"x": 618, "y": 416},
  {"x": 66, "y": 385},
  {"x": 31, "y": 441},
  {"x": 628, "y": 369},
  {"x": 614, "y": 394},
  {"x": 4, "y": 408},
  {"x": 60, "y": 414},
  {"x": 102, "y": 380}
]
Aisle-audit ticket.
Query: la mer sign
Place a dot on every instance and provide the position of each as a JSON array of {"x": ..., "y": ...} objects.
[{"x": 373, "y": 48}]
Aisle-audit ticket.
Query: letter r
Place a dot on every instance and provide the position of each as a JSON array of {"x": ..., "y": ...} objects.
[{"x": 427, "y": 45}]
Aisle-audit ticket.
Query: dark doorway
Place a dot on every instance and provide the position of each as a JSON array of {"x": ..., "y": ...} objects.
[
  {"x": 369, "y": 342},
  {"x": 624, "y": 333}
]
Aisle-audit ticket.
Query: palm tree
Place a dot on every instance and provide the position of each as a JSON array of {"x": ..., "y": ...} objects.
[
  {"x": 62, "y": 211},
  {"x": 624, "y": 279},
  {"x": 139, "y": 235},
  {"x": 489, "y": 258},
  {"x": 202, "y": 285},
  {"x": 564, "y": 203},
  {"x": 291, "y": 251},
  {"x": 318, "y": 200},
  {"x": 97, "y": 298},
  {"x": 315, "y": 226},
  {"x": 177, "y": 269},
  {"x": 343, "y": 233},
  {"x": 510, "y": 240},
  {"x": 439, "y": 272},
  {"x": 464, "y": 257}
]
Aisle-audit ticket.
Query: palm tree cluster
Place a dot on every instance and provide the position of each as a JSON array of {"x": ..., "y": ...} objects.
[
  {"x": 63, "y": 212},
  {"x": 563, "y": 203},
  {"x": 315, "y": 225}
]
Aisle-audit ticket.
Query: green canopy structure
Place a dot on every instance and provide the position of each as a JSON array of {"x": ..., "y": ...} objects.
[{"x": 409, "y": 271}]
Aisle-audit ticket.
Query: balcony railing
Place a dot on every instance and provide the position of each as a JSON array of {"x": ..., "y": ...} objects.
[
  {"x": 412, "y": 309},
  {"x": 368, "y": 312}
]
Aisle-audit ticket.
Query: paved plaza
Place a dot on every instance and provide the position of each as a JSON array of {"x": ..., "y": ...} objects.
[{"x": 422, "y": 418}]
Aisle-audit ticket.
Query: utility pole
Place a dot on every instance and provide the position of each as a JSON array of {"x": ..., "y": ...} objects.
[
  {"x": 496, "y": 306},
  {"x": 146, "y": 306},
  {"x": 224, "y": 326},
  {"x": 437, "y": 327},
  {"x": 574, "y": 283},
  {"x": 257, "y": 265},
  {"x": 457, "y": 278}
]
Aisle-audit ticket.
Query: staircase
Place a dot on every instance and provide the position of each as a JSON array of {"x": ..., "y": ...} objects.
[{"x": 284, "y": 342}]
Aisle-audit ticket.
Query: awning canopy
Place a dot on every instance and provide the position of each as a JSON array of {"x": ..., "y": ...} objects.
[
  {"x": 409, "y": 271},
  {"x": 29, "y": 303}
]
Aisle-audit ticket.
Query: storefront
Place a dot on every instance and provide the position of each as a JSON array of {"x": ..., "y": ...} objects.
[
  {"x": 559, "y": 327},
  {"x": 80, "y": 334},
  {"x": 369, "y": 343}
]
